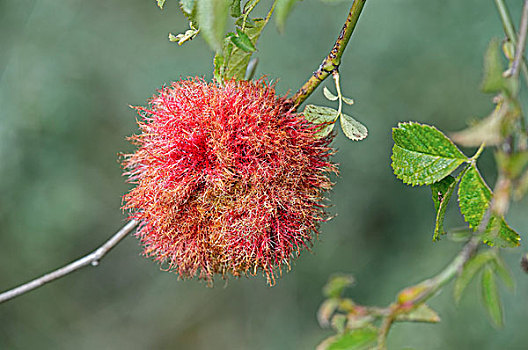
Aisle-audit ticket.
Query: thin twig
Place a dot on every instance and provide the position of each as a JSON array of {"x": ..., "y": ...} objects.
[
  {"x": 426, "y": 289},
  {"x": 509, "y": 30},
  {"x": 384, "y": 331},
  {"x": 521, "y": 43},
  {"x": 449, "y": 272},
  {"x": 90, "y": 259},
  {"x": 507, "y": 22},
  {"x": 333, "y": 60}
]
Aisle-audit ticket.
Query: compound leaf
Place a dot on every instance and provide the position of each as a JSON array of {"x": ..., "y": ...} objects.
[
  {"x": 233, "y": 61},
  {"x": 423, "y": 155}
]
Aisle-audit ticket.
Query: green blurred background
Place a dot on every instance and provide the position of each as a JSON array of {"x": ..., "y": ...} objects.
[{"x": 70, "y": 68}]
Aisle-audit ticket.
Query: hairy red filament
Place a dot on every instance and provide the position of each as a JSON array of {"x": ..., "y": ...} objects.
[{"x": 227, "y": 179}]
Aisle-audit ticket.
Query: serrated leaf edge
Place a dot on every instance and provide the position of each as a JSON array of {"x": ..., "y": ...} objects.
[
  {"x": 427, "y": 126},
  {"x": 408, "y": 179}
]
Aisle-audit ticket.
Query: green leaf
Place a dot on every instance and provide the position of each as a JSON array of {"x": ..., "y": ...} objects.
[
  {"x": 493, "y": 80},
  {"x": 218, "y": 67},
  {"x": 440, "y": 189},
  {"x": 326, "y": 310},
  {"x": 234, "y": 8},
  {"x": 357, "y": 339},
  {"x": 160, "y": 3},
  {"x": 509, "y": 238},
  {"x": 319, "y": 114},
  {"x": 490, "y": 297},
  {"x": 474, "y": 197},
  {"x": 282, "y": 10},
  {"x": 357, "y": 320},
  {"x": 325, "y": 130},
  {"x": 512, "y": 164},
  {"x": 442, "y": 192},
  {"x": 487, "y": 130},
  {"x": 339, "y": 323},
  {"x": 242, "y": 41},
  {"x": 188, "y": 7},
  {"x": 422, "y": 313},
  {"x": 329, "y": 96},
  {"x": 184, "y": 37},
  {"x": 250, "y": 5},
  {"x": 503, "y": 272},
  {"x": 236, "y": 60},
  {"x": 460, "y": 234},
  {"x": 245, "y": 22},
  {"x": 422, "y": 155},
  {"x": 347, "y": 100},
  {"x": 499, "y": 233},
  {"x": 353, "y": 129},
  {"x": 212, "y": 17},
  {"x": 324, "y": 116},
  {"x": 521, "y": 187},
  {"x": 337, "y": 284},
  {"x": 470, "y": 269}
]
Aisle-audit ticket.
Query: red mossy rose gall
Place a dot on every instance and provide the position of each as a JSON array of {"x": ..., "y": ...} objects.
[{"x": 228, "y": 179}]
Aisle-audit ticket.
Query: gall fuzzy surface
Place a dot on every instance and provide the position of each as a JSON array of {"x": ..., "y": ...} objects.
[{"x": 227, "y": 179}]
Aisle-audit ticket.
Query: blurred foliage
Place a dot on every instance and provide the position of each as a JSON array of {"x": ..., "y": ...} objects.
[{"x": 69, "y": 70}]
